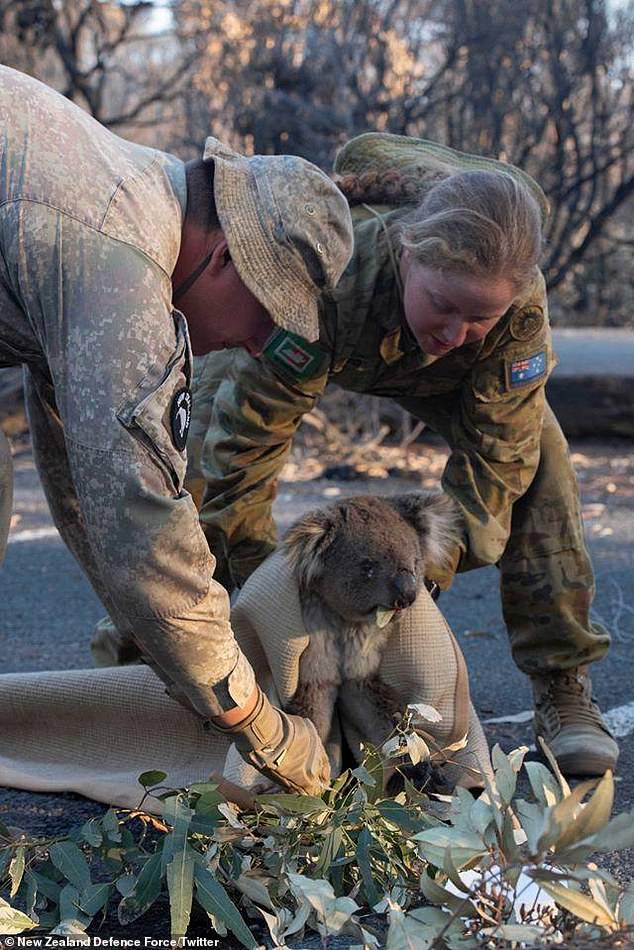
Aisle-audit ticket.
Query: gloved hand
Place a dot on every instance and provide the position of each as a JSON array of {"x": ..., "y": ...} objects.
[{"x": 285, "y": 748}]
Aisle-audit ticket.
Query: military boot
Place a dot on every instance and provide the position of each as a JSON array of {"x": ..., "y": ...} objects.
[{"x": 570, "y": 722}]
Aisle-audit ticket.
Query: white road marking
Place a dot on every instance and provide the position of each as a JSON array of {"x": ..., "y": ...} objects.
[
  {"x": 620, "y": 719},
  {"x": 517, "y": 717},
  {"x": 32, "y": 534}
]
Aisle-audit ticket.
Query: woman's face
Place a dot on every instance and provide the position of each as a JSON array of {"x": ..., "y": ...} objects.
[{"x": 445, "y": 310}]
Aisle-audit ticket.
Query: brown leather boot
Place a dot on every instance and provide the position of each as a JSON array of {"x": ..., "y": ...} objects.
[{"x": 570, "y": 722}]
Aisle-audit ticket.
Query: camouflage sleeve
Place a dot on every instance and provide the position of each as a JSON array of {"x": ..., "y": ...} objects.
[
  {"x": 118, "y": 358},
  {"x": 253, "y": 407},
  {"x": 493, "y": 427}
]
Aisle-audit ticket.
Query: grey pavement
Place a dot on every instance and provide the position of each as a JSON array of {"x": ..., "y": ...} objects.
[
  {"x": 48, "y": 613},
  {"x": 594, "y": 352}
]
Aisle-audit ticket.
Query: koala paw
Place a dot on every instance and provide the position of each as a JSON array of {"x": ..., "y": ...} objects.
[{"x": 424, "y": 776}]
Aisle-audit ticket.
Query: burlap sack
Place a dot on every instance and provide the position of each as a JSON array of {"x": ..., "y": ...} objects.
[{"x": 95, "y": 731}]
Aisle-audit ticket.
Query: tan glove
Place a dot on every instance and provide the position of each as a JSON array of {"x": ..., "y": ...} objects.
[{"x": 285, "y": 748}]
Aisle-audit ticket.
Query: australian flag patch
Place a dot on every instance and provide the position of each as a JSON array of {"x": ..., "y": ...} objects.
[{"x": 523, "y": 371}]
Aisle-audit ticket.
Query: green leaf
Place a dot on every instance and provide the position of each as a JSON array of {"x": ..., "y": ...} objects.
[
  {"x": 47, "y": 886},
  {"x": 290, "y": 804},
  {"x": 179, "y": 815},
  {"x": 91, "y": 834},
  {"x": 329, "y": 851},
  {"x": 145, "y": 891},
  {"x": 407, "y": 933},
  {"x": 207, "y": 804},
  {"x": 505, "y": 776},
  {"x": 13, "y": 921},
  {"x": 543, "y": 783},
  {"x": 213, "y": 898},
  {"x": 464, "y": 847},
  {"x": 110, "y": 825},
  {"x": 372, "y": 892},
  {"x": 552, "y": 761},
  {"x": 579, "y": 904},
  {"x": 533, "y": 817},
  {"x": 440, "y": 896},
  {"x": 255, "y": 889},
  {"x": 593, "y": 817},
  {"x": 626, "y": 906},
  {"x": 72, "y": 921},
  {"x": 68, "y": 859},
  {"x": 617, "y": 835},
  {"x": 94, "y": 897},
  {"x": 180, "y": 886},
  {"x": 398, "y": 815},
  {"x": 151, "y": 778},
  {"x": 16, "y": 871},
  {"x": 374, "y": 772}
]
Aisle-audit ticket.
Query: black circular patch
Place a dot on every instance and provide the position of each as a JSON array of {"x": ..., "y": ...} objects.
[{"x": 180, "y": 417}]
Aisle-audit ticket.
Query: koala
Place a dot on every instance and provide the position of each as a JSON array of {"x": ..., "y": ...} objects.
[{"x": 359, "y": 564}]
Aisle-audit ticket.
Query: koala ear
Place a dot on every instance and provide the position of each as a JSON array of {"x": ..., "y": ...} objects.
[
  {"x": 436, "y": 519},
  {"x": 306, "y": 542}
]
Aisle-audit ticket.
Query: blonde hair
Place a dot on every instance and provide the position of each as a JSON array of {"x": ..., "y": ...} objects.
[{"x": 485, "y": 223}]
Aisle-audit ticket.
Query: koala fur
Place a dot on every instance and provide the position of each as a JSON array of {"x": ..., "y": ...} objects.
[{"x": 358, "y": 564}]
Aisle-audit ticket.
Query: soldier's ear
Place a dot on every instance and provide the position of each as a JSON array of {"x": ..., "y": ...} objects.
[
  {"x": 436, "y": 519},
  {"x": 306, "y": 543}
]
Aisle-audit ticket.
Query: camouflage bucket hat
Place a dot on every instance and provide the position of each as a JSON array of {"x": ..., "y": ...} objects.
[
  {"x": 288, "y": 228},
  {"x": 381, "y": 151}
]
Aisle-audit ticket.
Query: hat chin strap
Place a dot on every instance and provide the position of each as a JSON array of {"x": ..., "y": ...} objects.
[{"x": 189, "y": 282}]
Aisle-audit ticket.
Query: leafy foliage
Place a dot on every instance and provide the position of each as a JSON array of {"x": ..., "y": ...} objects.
[{"x": 447, "y": 871}]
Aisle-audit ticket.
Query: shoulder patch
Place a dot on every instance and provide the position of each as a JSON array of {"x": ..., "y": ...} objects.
[
  {"x": 526, "y": 370},
  {"x": 526, "y": 323},
  {"x": 294, "y": 355},
  {"x": 181, "y": 417}
]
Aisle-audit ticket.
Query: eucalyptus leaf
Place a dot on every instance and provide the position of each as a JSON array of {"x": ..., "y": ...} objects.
[
  {"x": 405, "y": 932},
  {"x": 68, "y": 859},
  {"x": 16, "y": 871},
  {"x": 543, "y": 784},
  {"x": 110, "y": 825},
  {"x": 213, "y": 898},
  {"x": 180, "y": 886},
  {"x": 464, "y": 847},
  {"x": 505, "y": 775},
  {"x": 13, "y": 921},
  {"x": 94, "y": 897},
  {"x": 91, "y": 833},
  {"x": 287, "y": 803},
  {"x": 579, "y": 904},
  {"x": 151, "y": 778},
  {"x": 146, "y": 890},
  {"x": 593, "y": 817},
  {"x": 372, "y": 891}
]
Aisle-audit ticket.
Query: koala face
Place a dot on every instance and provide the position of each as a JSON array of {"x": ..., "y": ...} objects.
[{"x": 364, "y": 557}]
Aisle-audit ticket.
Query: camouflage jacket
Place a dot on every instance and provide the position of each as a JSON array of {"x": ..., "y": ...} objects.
[
  {"x": 90, "y": 230},
  {"x": 486, "y": 399}
]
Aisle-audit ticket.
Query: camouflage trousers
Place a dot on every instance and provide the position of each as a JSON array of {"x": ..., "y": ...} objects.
[
  {"x": 546, "y": 578},
  {"x": 6, "y": 491}
]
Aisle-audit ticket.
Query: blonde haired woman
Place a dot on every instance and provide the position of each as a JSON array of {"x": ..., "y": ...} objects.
[{"x": 443, "y": 309}]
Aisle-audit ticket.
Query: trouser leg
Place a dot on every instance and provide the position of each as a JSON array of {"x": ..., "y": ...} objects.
[
  {"x": 6, "y": 491},
  {"x": 547, "y": 580}
]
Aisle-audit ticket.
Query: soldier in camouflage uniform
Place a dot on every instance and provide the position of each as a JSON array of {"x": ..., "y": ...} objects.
[
  {"x": 94, "y": 233},
  {"x": 464, "y": 346}
]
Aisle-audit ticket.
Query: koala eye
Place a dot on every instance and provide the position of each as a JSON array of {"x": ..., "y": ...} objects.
[{"x": 368, "y": 569}]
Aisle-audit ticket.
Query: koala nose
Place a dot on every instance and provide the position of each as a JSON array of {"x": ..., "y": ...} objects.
[{"x": 404, "y": 590}]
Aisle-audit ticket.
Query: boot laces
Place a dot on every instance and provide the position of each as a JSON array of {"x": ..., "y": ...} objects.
[{"x": 567, "y": 701}]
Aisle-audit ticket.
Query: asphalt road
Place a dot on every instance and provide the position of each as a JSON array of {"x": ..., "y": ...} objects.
[{"x": 48, "y": 612}]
